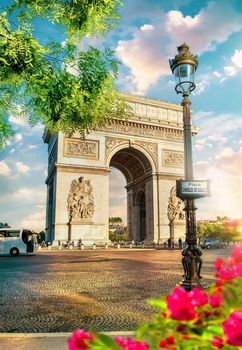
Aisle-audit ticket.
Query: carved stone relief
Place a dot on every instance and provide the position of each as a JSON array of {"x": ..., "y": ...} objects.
[
  {"x": 112, "y": 142},
  {"x": 173, "y": 159},
  {"x": 145, "y": 130},
  {"x": 151, "y": 148},
  {"x": 81, "y": 148},
  {"x": 80, "y": 201},
  {"x": 175, "y": 206}
]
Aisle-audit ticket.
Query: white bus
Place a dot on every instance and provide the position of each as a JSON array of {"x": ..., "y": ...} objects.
[{"x": 17, "y": 241}]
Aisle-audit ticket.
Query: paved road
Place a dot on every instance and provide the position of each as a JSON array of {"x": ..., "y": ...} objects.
[{"x": 58, "y": 291}]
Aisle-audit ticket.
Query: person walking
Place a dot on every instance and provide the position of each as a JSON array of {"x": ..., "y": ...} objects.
[{"x": 180, "y": 243}]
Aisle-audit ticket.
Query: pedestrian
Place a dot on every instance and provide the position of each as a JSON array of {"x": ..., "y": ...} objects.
[
  {"x": 180, "y": 242},
  {"x": 169, "y": 243}
]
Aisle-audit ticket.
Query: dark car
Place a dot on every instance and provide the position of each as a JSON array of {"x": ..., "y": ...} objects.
[{"x": 213, "y": 243}]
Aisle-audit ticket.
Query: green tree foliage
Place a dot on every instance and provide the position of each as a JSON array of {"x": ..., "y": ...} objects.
[
  {"x": 80, "y": 17},
  {"x": 115, "y": 219},
  {"x": 38, "y": 81},
  {"x": 117, "y": 237},
  {"x": 221, "y": 231}
]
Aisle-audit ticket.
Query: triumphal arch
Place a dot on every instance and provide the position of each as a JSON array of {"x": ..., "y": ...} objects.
[{"x": 147, "y": 148}]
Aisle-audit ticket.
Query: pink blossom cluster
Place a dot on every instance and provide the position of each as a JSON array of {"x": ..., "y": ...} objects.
[
  {"x": 131, "y": 344},
  {"x": 183, "y": 306},
  {"x": 232, "y": 268},
  {"x": 167, "y": 343},
  {"x": 181, "y": 303},
  {"x": 232, "y": 328},
  {"x": 78, "y": 340}
]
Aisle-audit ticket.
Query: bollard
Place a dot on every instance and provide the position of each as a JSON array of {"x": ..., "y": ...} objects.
[
  {"x": 106, "y": 246},
  {"x": 39, "y": 247},
  {"x": 82, "y": 246},
  {"x": 131, "y": 245},
  {"x": 94, "y": 246},
  {"x": 142, "y": 245},
  {"x": 118, "y": 246},
  {"x": 49, "y": 247},
  {"x": 70, "y": 247},
  {"x": 59, "y": 247}
]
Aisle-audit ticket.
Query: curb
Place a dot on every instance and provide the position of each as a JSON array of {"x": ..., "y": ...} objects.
[
  {"x": 60, "y": 334},
  {"x": 42, "y": 341}
]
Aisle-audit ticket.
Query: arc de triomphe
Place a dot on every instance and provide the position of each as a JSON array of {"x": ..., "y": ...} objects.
[{"x": 147, "y": 149}]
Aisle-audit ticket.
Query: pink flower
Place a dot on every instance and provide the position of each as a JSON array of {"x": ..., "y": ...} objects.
[
  {"x": 215, "y": 300},
  {"x": 198, "y": 297},
  {"x": 217, "y": 342},
  {"x": 166, "y": 343},
  {"x": 162, "y": 343},
  {"x": 231, "y": 270},
  {"x": 180, "y": 305},
  {"x": 77, "y": 340},
  {"x": 237, "y": 253},
  {"x": 232, "y": 328},
  {"x": 219, "y": 263},
  {"x": 131, "y": 344}
]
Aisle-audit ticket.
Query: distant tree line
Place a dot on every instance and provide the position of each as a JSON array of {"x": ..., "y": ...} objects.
[
  {"x": 226, "y": 230},
  {"x": 115, "y": 220}
]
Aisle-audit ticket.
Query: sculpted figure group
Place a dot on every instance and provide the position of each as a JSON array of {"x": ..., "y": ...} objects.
[
  {"x": 175, "y": 206},
  {"x": 80, "y": 202}
]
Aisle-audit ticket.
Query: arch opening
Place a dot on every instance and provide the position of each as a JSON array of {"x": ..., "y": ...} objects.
[{"x": 137, "y": 170}]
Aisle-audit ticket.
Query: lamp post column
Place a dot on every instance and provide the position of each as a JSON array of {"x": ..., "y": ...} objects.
[{"x": 191, "y": 260}]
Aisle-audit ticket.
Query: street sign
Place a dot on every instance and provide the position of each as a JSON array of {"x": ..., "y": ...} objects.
[{"x": 192, "y": 189}]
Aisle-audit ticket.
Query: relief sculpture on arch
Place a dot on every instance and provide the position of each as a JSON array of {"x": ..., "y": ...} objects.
[{"x": 80, "y": 201}]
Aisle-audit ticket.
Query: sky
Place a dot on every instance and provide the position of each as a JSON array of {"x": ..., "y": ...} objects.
[{"x": 146, "y": 37}]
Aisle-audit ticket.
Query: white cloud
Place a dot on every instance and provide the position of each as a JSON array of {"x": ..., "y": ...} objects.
[
  {"x": 217, "y": 74},
  {"x": 21, "y": 121},
  {"x": 147, "y": 53},
  {"x": 29, "y": 195},
  {"x": 18, "y": 137},
  {"x": 237, "y": 58},
  {"x": 230, "y": 71},
  {"x": 23, "y": 168},
  {"x": 4, "y": 169},
  {"x": 226, "y": 190},
  {"x": 35, "y": 221},
  {"x": 146, "y": 27},
  {"x": 12, "y": 150},
  {"x": 201, "y": 86},
  {"x": 32, "y": 146}
]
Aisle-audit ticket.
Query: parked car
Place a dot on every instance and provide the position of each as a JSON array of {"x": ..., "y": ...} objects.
[{"x": 213, "y": 243}]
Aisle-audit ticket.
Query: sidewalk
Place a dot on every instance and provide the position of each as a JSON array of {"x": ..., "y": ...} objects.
[{"x": 41, "y": 341}]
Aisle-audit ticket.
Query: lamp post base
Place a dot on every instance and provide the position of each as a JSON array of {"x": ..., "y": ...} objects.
[
  {"x": 192, "y": 264},
  {"x": 188, "y": 285}
]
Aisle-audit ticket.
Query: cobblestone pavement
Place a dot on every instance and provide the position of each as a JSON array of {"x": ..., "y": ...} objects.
[{"x": 58, "y": 291}]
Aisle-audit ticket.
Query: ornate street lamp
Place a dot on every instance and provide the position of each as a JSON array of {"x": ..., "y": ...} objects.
[{"x": 183, "y": 67}]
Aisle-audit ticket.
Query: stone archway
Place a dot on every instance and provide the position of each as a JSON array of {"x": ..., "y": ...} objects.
[
  {"x": 147, "y": 148},
  {"x": 137, "y": 169}
]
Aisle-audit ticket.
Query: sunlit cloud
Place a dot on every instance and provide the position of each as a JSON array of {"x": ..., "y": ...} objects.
[
  {"x": 34, "y": 221},
  {"x": 20, "y": 121},
  {"x": 37, "y": 195},
  {"x": 22, "y": 168},
  {"x": 4, "y": 169},
  {"x": 226, "y": 190},
  {"x": 147, "y": 53},
  {"x": 18, "y": 137}
]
